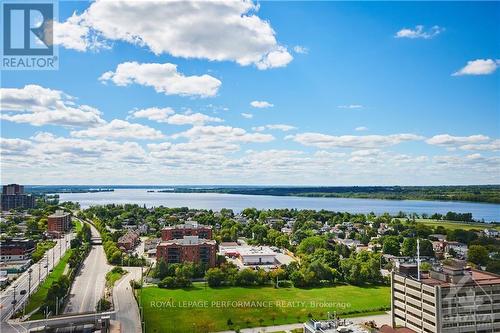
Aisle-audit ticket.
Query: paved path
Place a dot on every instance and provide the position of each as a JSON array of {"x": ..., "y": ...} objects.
[
  {"x": 379, "y": 320},
  {"x": 127, "y": 311}
]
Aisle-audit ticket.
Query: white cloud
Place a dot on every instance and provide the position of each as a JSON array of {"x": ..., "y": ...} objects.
[
  {"x": 192, "y": 119},
  {"x": 39, "y": 106},
  {"x": 223, "y": 133},
  {"x": 45, "y": 152},
  {"x": 300, "y": 49},
  {"x": 120, "y": 129},
  {"x": 261, "y": 104},
  {"x": 213, "y": 30},
  {"x": 75, "y": 34},
  {"x": 361, "y": 128},
  {"x": 247, "y": 115},
  {"x": 168, "y": 116},
  {"x": 478, "y": 67},
  {"x": 154, "y": 113},
  {"x": 351, "y": 106},
  {"x": 473, "y": 142},
  {"x": 447, "y": 140},
  {"x": 14, "y": 146},
  {"x": 281, "y": 127},
  {"x": 492, "y": 146},
  {"x": 419, "y": 32},
  {"x": 164, "y": 78},
  {"x": 325, "y": 141}
]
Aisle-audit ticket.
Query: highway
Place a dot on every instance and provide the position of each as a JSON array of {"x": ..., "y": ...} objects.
[
  {"x": 88, "y": 286},
  {"x": 38, "y": 273}
]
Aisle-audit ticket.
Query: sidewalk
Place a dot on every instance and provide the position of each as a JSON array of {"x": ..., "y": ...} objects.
[{"x": 379, "y": 320}]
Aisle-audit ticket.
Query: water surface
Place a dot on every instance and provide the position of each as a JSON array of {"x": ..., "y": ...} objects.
[{"x": 238, "y": 202}]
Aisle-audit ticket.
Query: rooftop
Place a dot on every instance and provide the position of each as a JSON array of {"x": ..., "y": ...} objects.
[
  {"x": 59, "y": 213},
  {"x": 188, "y": 240},
  {"x": 188, "y": 225},
  {"x": 473, "y": 276}
]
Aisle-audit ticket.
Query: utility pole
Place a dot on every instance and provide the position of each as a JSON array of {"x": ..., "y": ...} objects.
[
  {"x": 53, "y": 250},
  {"x": 14, "y": 287},
  {"x": 39, "y": 270},
  {"x": 29, "y": 281},
  {"x": 47, "y": 266}
]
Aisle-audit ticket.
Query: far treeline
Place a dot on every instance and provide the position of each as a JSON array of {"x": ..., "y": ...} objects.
[{"x": 473, "y": 193}]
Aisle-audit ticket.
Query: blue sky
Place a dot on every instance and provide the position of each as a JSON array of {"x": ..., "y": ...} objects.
[{"x": 356, "y": 94}]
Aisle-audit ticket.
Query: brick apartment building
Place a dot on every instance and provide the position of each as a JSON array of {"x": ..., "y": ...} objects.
[
  {"x": 188, "y": 249},
  {"x": 13, "y": 197},
  {"x": 187, "y": 229},
  {"x": 16, "y": 249},
  {"x": 58, "y": 223},
  {"x": 448, "y": 299}
]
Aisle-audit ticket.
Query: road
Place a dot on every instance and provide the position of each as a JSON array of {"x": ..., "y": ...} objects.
[
  {"x": 88, "y": 286},
  {"x": 38, "y": 274},
  {"x": 127, "y": 312}
]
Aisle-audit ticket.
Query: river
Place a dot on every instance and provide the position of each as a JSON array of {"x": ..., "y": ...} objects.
[{"x": 238, "y": 202}]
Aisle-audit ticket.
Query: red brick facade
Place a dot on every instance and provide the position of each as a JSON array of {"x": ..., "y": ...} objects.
[
  {"x": 58, "y": 223},
  {"x": 177, "y": 232},
  {"x": 179, "y": 251}
]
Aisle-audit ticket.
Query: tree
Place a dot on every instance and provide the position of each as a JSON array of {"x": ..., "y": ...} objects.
[
  {"x": 478, "y": 255},
  {"x": 161, "y": 269},
  {"x": 409, "y": 247},
  {"x": 215, "y": 277},
  {"x": 298, "y": 280},
  {"x": 310, "y": 244},
  {"x": 391, "y": 245}
]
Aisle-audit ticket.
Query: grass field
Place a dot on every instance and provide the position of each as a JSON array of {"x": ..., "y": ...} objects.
[
  {"x": 457, "y": 225},
  {"x": 200, "y": 309},
  {"x": 37, "y": 299}
]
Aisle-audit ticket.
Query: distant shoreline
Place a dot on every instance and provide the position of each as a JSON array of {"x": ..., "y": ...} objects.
[{"x": 467, "y": 193}]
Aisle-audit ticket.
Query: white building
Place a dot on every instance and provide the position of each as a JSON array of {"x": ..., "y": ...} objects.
[{"x": 261, "y": 255}]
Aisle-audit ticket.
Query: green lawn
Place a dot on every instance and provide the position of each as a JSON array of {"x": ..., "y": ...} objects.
[
  {"x": 113, "y": 276},
  {"x": 37, "y": 299},
  {"x": 457, "y": 225},
  {"x": 200, "y": 310}
]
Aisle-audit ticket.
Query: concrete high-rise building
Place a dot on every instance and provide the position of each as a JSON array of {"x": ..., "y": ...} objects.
[
  {"x": 13, "y": 197},
  {"x": 448, "y": 299},
  {"x": 12, "y": 189}
]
